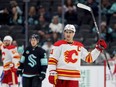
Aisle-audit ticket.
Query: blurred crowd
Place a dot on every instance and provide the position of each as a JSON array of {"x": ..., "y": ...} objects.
[{"x": 48, "y": 23}]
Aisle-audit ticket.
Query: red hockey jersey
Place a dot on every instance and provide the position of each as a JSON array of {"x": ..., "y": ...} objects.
[{"x": 10, "y": 56}]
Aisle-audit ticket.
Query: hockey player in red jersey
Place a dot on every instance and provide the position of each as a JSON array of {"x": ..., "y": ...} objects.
[
  {"x": 64, "y": 61},
  {"x": 10, "y": 58}
]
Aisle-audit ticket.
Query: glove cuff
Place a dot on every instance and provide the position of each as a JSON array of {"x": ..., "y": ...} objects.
[
  {"x": 100, "y": 48},
  {"x": 53, "y": 72}
]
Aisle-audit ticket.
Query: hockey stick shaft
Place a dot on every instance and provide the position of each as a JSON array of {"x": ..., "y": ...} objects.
[
  {"x": 104, "y": 52},
  {"x": 96, "y": 27}
]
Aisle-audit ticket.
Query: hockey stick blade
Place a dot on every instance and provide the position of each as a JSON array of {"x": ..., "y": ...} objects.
[{"x": 83, "y": 6}]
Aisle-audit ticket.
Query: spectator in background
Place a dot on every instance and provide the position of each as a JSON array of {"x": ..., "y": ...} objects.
[
  {"x": 106, "y": 32},
  {"x": 7, "y": 12},
  {"x": 69, "y": 5},
  {"x": 112, "y": 9},
  {"x": 42, "y": 27},
  {"x": 59, "y": 13},
  {"x": 55, "y": 25},
  {"x": 15, "y": 17},
  {"x": 70, "y": 14},
  {"x": 94, "y": 5},
  {"x": 48, "y": 46},
  {"x": 55, "y": 37},
  {"x": 105, "y": 4},
  {"x": 48, "y": 35},
  {"x": 42, "y": 12},
  {"x": 88, "y": 19},
  {"x": 32, "y": 16},
  {"x": 13, "y": 3}
]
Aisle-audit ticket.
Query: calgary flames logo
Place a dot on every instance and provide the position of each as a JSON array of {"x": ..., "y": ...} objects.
[{"x": 68, "y": 56}]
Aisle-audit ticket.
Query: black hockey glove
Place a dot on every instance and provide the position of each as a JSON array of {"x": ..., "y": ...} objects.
[
  {"x": 41, "y": 76},
  {"x": 19, "y": 72}
]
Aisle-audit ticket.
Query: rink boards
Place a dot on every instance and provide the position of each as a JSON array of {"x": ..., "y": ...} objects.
[{"x": 91, "y": 76}]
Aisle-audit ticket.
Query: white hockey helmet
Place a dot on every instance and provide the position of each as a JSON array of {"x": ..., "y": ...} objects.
[
  {"x": 70, "y": 27},
  {"x": 8, "y": 38}
]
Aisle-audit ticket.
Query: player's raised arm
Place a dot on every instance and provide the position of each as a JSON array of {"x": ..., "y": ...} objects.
[{"x": 93, "y": 55}]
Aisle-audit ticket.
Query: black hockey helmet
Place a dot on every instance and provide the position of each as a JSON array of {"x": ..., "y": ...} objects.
[{"x": 35, "y": 36}]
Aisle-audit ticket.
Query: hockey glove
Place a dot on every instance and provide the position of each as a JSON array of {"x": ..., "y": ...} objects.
[
  {"x": 42, "y": 76},
  {"x": 19, "y": 72},
  {"x": 20, "y": 69},
  {"x": 53, "y": 77},
  {"x": 101, "y": 45}
]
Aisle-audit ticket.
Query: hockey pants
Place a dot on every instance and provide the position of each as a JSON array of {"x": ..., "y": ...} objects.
[
  {"x": 67, "y": 83},
  {"x": 31, "y": 81}
]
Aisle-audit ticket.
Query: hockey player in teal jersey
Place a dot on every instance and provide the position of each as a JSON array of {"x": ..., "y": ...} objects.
[{"x": 33, "y": 64}]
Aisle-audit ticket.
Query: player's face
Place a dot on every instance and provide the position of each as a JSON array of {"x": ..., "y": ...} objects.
[
  {"x": 68, "y": 35},
  {"x": 34, "y": 42},
  {"x": 6, "y": 42}
]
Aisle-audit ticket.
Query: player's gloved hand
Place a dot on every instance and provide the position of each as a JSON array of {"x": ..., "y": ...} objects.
[
  {"x": 20, "y": 69},
  {"x": 53, "y": 77},
  {"x": 101, "y": 45},
  {"x": 42, "y": 76},
  {"x": 19, "y": 72}
]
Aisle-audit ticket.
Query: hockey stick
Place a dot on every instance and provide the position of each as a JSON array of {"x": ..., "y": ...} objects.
[{"x": 96, "y": 27}]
